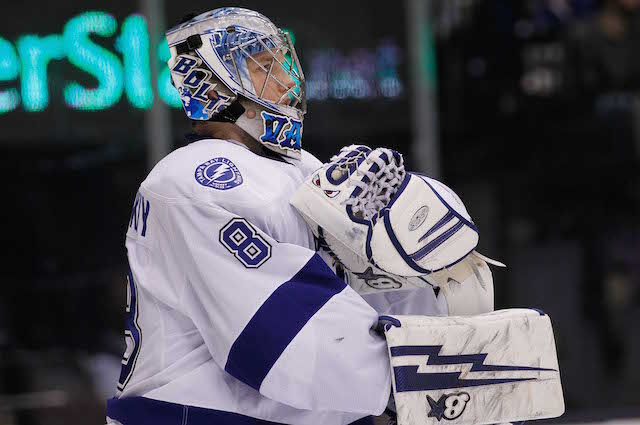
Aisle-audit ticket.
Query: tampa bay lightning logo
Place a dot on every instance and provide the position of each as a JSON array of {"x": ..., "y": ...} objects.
[{"x": 218, "y": 173}]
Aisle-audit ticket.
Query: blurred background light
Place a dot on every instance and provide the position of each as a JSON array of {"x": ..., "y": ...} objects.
[
  {"x": 167, "y": 92},
  {"x": 9, "y": 71},
  {"x": 93, "y": 59},
  {"x": 133, "y": 44},
  {"x": 35, "y": 54}
]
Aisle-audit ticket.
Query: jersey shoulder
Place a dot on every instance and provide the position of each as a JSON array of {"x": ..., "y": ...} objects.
[
  {"x": 308, "y": 163},
  {"x": 193, "y": 171},
  {"x": 222, "y": 173}
]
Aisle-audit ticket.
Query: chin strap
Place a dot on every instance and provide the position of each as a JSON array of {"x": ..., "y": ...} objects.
[{"x": 230, "y": 114}]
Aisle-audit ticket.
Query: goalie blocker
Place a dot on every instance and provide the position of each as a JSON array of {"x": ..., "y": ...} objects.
[{"x": 486, "y": 369}]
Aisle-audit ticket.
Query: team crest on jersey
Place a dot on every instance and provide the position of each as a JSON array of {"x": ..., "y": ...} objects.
[
  {"x": 218, "y": 173},
  {"x": 281, "y": 131}
]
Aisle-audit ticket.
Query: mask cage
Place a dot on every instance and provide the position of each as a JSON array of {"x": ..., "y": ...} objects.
[{"x": 236, "y": 46}]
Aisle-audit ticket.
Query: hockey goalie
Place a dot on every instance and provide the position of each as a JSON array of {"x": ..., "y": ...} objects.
[
  {"x": 234, "y": 314},
  {"x": 392, "y": 231}
]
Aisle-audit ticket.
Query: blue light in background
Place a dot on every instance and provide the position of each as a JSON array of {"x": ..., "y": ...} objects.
[
  {"x": 9, "y": 70},
  {"x": 133, "y": 44},
  {"x": 167, "y": 92},
  {"x": 93, "y": 59},
  {"x": 365, "y": 73},
  {"x": 388, "y": 61},
  {"x": 35, "y": 54}
]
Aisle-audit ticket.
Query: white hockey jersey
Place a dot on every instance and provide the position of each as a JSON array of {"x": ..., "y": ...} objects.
[{"x": 232, "y": 316}]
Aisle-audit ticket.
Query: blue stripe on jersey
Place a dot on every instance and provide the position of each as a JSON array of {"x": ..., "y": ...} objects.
[
  {"x": 146, "y": 411},
  {"x": 279, "y": 319}
]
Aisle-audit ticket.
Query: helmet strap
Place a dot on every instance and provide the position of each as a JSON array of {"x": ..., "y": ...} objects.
[{"x": 229, "y": 114}]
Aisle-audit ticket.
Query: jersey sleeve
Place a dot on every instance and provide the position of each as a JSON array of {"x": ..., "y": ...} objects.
[{"x": 275, "y": 316}]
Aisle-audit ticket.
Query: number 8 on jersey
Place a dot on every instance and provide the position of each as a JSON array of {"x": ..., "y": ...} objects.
[{"x": 245, "y": 243}]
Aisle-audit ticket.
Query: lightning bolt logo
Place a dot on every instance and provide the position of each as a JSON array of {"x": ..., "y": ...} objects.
[
  {"x": 408, "y": 378},
  {"x": 219, "y": 172}
]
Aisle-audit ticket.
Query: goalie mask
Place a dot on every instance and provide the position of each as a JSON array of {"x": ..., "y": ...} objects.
[{"x": 250, "y": 64}]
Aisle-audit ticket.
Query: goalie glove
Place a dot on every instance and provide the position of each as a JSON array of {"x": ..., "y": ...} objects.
[{"x": 370, "y": 212}]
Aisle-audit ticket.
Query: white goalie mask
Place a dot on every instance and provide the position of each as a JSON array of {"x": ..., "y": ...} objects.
[{"x": 251, "y": 65}]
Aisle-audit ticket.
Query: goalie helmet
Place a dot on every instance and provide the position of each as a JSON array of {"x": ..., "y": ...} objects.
[{"x": 250, "y": 64}]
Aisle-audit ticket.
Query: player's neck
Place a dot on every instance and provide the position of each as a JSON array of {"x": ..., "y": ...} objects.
[{"x": 228, "y": 131}]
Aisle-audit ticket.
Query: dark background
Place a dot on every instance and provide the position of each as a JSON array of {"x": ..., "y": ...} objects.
[{"x": 538, "y": 126}]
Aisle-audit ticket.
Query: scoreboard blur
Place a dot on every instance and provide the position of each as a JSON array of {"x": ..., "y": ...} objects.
[{"x": 86, "y": 74}]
